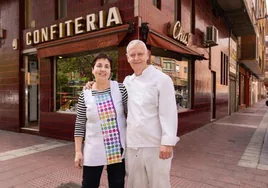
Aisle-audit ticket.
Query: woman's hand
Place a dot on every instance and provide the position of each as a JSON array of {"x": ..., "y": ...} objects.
[
  {"x": 78, "y": 160},
  {"x": 88, "y": 85}
]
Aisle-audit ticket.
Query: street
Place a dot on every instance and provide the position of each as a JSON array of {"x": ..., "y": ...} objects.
[{"x": 231, "y": 152}]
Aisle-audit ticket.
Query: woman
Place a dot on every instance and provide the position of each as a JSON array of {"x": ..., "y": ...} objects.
[{"x": 101, "y": 123}]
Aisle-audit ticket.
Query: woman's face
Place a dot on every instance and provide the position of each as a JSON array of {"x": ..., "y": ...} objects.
[{"x": 102, "y": 69}]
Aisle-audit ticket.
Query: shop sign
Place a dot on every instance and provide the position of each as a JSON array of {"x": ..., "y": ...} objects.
[
  {"x": 176, "y": 31},
  {"x": 233, "y": 49},
  {"x": 77, "y": 26},
  {"x": 232, "y": 66}
]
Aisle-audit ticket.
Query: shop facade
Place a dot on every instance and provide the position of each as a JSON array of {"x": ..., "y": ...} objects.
[
  {"x": 244, "y": 87},
  {"x": 56, "y": 45}
]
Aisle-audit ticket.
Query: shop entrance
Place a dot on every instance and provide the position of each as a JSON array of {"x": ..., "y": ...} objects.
[{"x": 31, "y": 69}]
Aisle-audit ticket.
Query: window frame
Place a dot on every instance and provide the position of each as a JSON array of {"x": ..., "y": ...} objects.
[
  {"x": 27, "y": 14},
  {"x": 224, "y": 69},
  {"x": 185, "y": 70},
  {"x": 177, "y": 68},
  {"x": 172, "y": 64},
  {"x": 105, "y": 2},
  {"x": 157, "y": 4},
  {"x": 177, "y": 10},
  {"x": 60, "y": 9}
]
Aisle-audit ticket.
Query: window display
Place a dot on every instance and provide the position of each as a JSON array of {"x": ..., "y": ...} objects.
[
  {"x": 180, "y": 79},
  {"x": 72, "y": 73}
]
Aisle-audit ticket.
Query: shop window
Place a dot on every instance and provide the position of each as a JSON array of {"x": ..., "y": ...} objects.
[
  {"x": 157, "y": 3},
  {"x": 72, "y": 73},
  {"x": 177, "y": 10},
  {"x": 61, "y": 9},
  {"x": 104, "y": 2},
  {"x": 27, "y": 13},
  {"x": 181, "y": 79}
]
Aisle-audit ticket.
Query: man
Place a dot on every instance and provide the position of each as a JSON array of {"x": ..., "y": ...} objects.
[{"x": 151, "y": 121}]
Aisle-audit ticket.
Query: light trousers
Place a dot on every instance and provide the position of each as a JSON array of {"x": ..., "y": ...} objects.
[{"x": 146, "y": 170}]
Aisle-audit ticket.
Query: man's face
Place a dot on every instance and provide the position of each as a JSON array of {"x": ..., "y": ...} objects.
[{"x": 137, "y": 56}]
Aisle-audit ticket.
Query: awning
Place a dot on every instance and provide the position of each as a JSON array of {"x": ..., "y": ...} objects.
[
  {"x": 160, "y": 41},
  {"x": 84, "y": 42}
]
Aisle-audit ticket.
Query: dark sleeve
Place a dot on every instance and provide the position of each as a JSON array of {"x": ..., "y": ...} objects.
[
  {"x": 123, "y": 91},
  {"x": 81, "y": 118}
]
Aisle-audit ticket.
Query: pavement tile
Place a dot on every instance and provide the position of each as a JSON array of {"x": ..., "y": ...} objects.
[
  {"x": 255, "y": 184},
  {"x": 232, "y": 186},
  {"x": 243, "y": 176},
  {"x": 215, "y": 183},
  {"x": 262, "y": 179},
  {"x": 229, "y": 179},
  {"x": 205, "y": 158},
  {"x": 182, "y": 182},
  {"x": 24, "y": 185}
]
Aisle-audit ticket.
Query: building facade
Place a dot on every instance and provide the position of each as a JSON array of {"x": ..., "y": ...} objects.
[
  {"x": 252, "y": 56},
  {"x": 47, "y": 47}
]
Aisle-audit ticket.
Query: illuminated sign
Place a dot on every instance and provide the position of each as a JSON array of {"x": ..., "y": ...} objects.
[
  {"x": 77, "y": 26},
  {"x": 175, "y": 31}
]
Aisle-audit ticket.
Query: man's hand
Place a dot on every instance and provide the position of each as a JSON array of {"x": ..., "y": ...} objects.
[
  {"x": 78, "y": 160},
  {"x": 88, "y": 85},
  {"x": 165, "y": 152}
]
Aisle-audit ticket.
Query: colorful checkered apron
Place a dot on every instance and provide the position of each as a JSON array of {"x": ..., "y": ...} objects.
[{"x": 109, "y": 127}]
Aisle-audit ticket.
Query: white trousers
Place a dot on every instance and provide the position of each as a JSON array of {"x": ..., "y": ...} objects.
[{"x": 146, "y": 170}]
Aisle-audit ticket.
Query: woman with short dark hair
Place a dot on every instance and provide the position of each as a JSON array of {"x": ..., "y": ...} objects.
[{"x": 101, "y": 123}]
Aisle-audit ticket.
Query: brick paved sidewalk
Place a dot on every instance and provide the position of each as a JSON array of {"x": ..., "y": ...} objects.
[{"x": 208, "y": 157}]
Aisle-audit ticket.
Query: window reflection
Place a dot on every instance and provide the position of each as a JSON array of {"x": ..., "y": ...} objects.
[
  {"x": 72, "y": 73},
  {"x": 178, "y": 71}
]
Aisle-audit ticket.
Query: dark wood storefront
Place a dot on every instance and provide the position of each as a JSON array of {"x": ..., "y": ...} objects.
[{"x": 60, "y": 125}]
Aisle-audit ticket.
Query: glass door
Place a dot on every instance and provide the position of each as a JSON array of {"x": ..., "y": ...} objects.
[{"x": 31, "y": 93}]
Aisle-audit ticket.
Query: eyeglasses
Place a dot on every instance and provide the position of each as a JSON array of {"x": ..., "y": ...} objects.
[{"x": 134, "y": 55}]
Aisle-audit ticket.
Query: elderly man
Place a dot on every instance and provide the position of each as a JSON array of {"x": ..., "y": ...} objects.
[{"x": 151, "y": 121}]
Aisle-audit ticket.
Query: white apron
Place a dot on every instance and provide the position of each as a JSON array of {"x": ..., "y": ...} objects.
[{"x": 94, "y": 149}]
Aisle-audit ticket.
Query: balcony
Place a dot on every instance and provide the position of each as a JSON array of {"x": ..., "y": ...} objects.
[
  {"x": 239, "y": 16},
  {"x": 248, "y": 54}
]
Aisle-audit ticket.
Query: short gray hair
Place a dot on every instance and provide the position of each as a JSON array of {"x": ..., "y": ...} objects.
[{"x": 134, "y": 42}]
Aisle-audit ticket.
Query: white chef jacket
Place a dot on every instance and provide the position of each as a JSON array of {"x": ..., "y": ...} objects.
[
  {"x": 152, "y": 112},
  {"x": 94, "y": 149}
]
